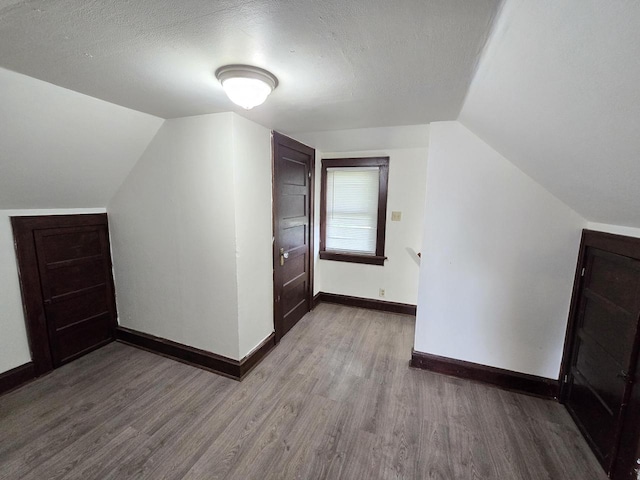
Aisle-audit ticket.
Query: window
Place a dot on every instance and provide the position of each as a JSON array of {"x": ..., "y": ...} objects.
[{"x": 354, "y": 209}]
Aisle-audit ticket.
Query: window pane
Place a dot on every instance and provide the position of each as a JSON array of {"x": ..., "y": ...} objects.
[{"x": 352, "y": 209}]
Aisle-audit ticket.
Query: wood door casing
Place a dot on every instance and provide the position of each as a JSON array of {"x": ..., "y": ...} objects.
[
  {"x": 293, "y": 174},
  {"x": 67, "y": 285},
  {"x": 599, "y": 367}
]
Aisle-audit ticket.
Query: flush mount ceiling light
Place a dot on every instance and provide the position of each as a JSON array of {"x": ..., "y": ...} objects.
[{"x": 245, "y": 85}]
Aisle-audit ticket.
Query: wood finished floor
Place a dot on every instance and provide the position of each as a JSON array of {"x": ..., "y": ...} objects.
[{"x": 336, "y": 399}]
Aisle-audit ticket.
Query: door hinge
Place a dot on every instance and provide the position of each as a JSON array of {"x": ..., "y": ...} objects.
[
  {"x": 582, "y": 273},
  {"x": 277, "y": 298},
  {"x": 565, "y": 379},
  {"x": 309, "y": 174}
]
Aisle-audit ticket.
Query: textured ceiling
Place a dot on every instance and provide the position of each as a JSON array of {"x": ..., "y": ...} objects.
[
  {"x": 557, "y": 92},
  {"x": 341, "y": 64}
]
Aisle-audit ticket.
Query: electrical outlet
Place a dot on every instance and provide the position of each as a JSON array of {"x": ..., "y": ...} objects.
[
  {"x": 396, "y": 216},
  {"x": 381, "y": 292}
]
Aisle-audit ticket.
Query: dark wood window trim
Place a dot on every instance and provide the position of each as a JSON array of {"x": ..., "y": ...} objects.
[{"x": 383, "y": 164}]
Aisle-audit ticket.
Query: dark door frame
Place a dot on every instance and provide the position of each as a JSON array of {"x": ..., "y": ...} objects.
[
  {"x": 278, "y": 138},
  {"x": 32, "y": 300},
  {"x": 620, "y": 245}
]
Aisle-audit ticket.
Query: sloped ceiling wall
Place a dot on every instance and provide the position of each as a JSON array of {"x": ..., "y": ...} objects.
[
  {"x": 60, "y": 149},
  {"x": 557, "y": 92}
]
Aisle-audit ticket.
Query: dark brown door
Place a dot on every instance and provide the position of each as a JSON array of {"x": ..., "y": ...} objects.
[
  {"x": 67, "y": 285},
  {"x": 602, "y": 367},
  {"x": 293, "y": 165}
]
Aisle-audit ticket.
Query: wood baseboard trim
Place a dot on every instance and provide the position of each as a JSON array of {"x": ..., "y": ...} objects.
[
  {"x": 235, "y": 369},
  {"x": 316, "y": 300},
  {"x": 254, "y": 357},
  {"x": 369, "y": 303},
  {"x": 505, "y": 379},
  {"x": 16, "y": 377}
]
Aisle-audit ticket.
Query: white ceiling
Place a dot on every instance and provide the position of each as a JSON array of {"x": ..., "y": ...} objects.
[
  {"x": 557, "y": 92},
  {"x": 341, "y": 64}
]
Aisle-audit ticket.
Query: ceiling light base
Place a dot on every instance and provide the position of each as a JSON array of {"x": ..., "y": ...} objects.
[{"x": 246, "y": 85}]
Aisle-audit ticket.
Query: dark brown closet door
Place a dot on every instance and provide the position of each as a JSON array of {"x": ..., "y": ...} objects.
[
  {"x": 603, "y": 361},
  {"x": 67, "y": 285},
  {"x": 293, "y": 231}
]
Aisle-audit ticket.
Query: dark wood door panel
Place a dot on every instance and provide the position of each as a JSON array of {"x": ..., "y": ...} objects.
[
  {"x": 58, "y": 245},
  {"x": 294, "y": 295},
  {"x": 292, "y": 316},
  {"x": 626, "y": 465},
  {"x": 79, "y": 338},
  {"x": 615, "y": 278},
  {"x": 298, "y": 251},
  {"x": 293, "y": 268},
  {"x": 601, "y": 372},
  {"x": 611, "y": 327},
  {"x": 601, "y": 352},
  {"x": 293, "y": 206},
  {"x": 67, "y": 285},
  {"x": 293, "y": 165},
  {"x": 74, "y": 266},
  {"x": 71, "y": 309},
  {"x": 595, "y": 421},
  {"x": 60, "y": 282},
  {"x": 293, "y": 236},
  {"x": 294, "y": 174},
  {"x": 598, "y": 367}
]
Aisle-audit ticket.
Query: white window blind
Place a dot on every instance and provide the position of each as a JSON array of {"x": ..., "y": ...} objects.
[{"x": 352, "y": 209}]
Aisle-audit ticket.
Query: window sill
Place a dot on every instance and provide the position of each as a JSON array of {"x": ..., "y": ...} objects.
[{"x": 353, "y": 258}]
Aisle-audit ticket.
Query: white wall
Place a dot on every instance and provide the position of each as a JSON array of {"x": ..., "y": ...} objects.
[
  {"x": 399, "y": 275},
  {"x": 359, "y": 139},
  {"x": 191, "y": 236},
  {"x": 556, "y": 92},
  {"x": 254, "y": 232},
  {"x": 14, "y": 347},
  {"x": 173, "y": 237},
  {"x": 499, "y": 254},
  {"x": 62, "y": 149},
  {"x": 407, "y": 148}
]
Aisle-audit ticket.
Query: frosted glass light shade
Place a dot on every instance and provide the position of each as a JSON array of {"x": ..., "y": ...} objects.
[
  {"x": 246, "y": 92},
  {"x": 245, "y": 85}
]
